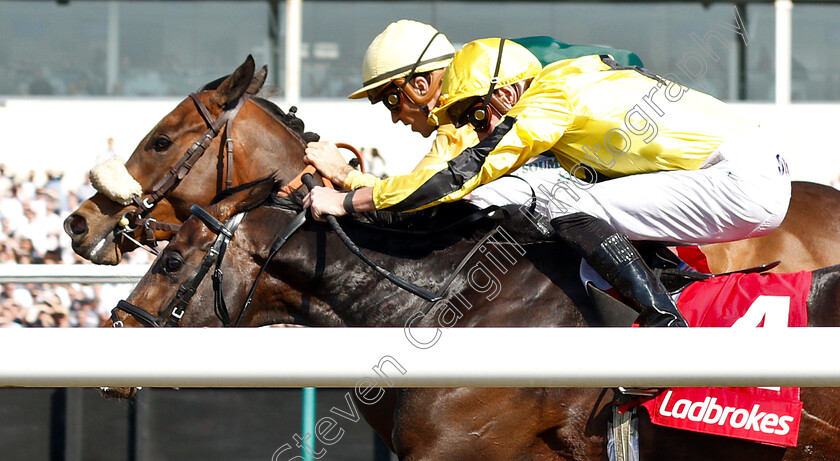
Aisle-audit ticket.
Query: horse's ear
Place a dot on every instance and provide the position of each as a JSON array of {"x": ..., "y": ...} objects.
[
  {"x": 235, "y": 85},
  {"x": 257, "y": 81}
]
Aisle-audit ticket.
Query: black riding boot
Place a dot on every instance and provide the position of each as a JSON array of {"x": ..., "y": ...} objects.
[{"x": 611, "y": 254}]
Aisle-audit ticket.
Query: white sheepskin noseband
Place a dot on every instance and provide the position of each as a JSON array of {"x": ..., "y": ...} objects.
[{"x": 112, "y": 179}]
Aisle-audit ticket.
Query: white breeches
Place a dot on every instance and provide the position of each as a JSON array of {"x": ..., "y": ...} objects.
[{"x": 743, "y": 192}]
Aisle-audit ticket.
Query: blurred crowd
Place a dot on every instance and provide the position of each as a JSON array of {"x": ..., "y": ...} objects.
[{"x": 32, "y": 212}]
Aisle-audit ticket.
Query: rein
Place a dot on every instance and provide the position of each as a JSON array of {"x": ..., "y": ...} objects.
[
  {"x": 395, "y": 279},
  {"x": 224, "y": 234}
]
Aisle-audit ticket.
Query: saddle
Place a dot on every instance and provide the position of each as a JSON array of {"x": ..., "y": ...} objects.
[{"x": 675, "y": 275}]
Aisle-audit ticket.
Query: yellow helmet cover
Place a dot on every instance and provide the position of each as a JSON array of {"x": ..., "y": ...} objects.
[{"x": 472, "y": 68}]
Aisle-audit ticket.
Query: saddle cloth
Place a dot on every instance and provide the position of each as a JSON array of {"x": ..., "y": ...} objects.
[{"x": 766, "y": 415}]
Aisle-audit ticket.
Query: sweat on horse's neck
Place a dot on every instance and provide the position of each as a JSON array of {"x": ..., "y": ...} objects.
[
  {"x": 325, "y": 285},
  {"x": 333, "y": 287}
]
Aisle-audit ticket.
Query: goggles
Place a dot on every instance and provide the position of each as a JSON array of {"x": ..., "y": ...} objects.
[
  {"x": 390, "y": 96},
  {"x": 472, "y": 112}
]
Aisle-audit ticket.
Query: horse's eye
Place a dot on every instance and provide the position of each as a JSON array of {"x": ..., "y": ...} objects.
[
  {"x": 161, "y": 144},
  {"x": 172, "y": 264}
]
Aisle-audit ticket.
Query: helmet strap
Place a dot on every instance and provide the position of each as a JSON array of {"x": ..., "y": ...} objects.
[
  {"x": 480, "y": 117},
  {"x": 421, "y": 100},
  {"x": 417, "y": 63}
]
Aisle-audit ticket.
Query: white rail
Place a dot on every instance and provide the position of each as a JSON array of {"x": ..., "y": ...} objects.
[
  {"x": 71, "y": 273},
  {"x": 379, "y": 357}
]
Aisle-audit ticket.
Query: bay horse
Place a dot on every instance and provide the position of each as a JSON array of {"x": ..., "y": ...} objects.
[
  {"x": 185, "y": 160},
  {"x": 314, "y": 280},
  {"x": 266, "y": 139}
]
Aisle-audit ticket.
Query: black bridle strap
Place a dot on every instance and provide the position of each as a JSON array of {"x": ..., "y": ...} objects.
[
  {"x": 140, "y": 315},
  {"x": 211, "y": 222},
  {"x": 225, "y": 235},
  {"x": 176, "y": 308}
]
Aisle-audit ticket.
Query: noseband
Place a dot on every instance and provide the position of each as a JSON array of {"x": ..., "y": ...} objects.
[{"x": 139, "y": 218}]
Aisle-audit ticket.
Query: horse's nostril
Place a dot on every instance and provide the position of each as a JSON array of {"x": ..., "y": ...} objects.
[{"x": 77, "y": 225}]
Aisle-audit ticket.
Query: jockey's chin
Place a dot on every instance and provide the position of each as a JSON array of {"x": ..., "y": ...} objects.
[{"x": 411, "y": 115}]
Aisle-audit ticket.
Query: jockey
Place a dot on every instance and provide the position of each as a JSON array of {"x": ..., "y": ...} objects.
[
  {"x": 712, "y": 176},
  {"x": 403, "y": 68}
]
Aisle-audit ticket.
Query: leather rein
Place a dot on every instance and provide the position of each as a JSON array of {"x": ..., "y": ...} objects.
[{"x": 172, "y": 314}]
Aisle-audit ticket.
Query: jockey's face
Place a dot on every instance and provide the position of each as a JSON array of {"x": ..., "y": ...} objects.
[
  {"x": 404, "y": 109},
  {"x": 414, "y": 116}
]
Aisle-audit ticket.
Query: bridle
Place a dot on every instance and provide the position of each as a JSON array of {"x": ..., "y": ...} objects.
[
  {"x": 176, "y": 308},
  {"x": 171, "y": 316},
  {"x": 174, "y": 311},
  {"x": 139, "y": 218}
]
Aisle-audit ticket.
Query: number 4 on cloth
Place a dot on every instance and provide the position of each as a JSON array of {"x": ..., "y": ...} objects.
[{"x": 774, "y": 310}]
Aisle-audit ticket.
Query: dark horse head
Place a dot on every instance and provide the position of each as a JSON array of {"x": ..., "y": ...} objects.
[
  {"x": 198, "y": 141},
  {"x": 507, "y": 279}
]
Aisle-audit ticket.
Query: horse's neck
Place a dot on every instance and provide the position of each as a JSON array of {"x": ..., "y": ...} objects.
[
  {"x": 353, "y": 294},
  {"x": 272, "y": 146}
]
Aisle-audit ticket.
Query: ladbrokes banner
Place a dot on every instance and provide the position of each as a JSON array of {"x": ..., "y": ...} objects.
[{"x": 735, "y": 412}]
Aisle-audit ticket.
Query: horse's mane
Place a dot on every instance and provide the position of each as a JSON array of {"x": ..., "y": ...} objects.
[{"x": 289, "y": 119}]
